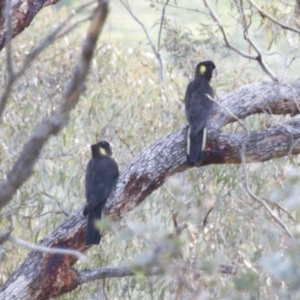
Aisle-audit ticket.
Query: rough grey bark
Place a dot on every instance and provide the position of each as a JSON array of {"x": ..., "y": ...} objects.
[
  {"x": 123, "y": 271},
  {"x": 22, "y": 14},
  {"x": 151, "y": 168},
  {"x": 59, "y": 275},
  {"x": 23, "y": 167},
  {"x": 101, "y": 273}
]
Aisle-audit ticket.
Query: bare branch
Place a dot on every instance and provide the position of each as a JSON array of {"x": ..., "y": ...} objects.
[
  {"x": 40, "y": 248},
  {"x": 262, "y": 97},
  {"x": 161, "y": 25},
  {"x": 156, "y": 53},
  {"x": 289, "y": 63},
  {"x": 4, "y": 235},
  {"x": 259, "y": 56},
  {"x": 221, "y": 27},
  {"x": 185, "y": 8},
  {"x": 50, "y": 2},
  {"x": 72, "y": 27},
  {"x": 297, "y": 13},
  {"x": 155, "y": 164},
  {"x": 23, "y": 168},
  {"x": 112, "y": 272},
  {"x": 240, "y": 52},
  {"x": 256, "y": 198},
  {"x": 33, "y": 54},
  {"x": 7, "y": 15},
  {"x": 21, "y": 15},
  {"x": 125, "y": 271},
  {"x": 262, "y": 12},
  {"x": 246, "y": 180}
]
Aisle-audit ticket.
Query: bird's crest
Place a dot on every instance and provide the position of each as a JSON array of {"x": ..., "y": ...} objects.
[{"x": 202, "y": 69}]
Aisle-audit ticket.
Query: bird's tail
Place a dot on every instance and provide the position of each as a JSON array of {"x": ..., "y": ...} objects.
[
  {"x": 195, "y": 147},
  {"x": 93, "y": 235}
]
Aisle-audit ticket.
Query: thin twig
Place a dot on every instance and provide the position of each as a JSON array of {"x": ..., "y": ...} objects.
[
  {"x": 8, "y": 37},
  {"x": 207, "y": 214},
  {"x": 33, "y": 54},
  {"x": 161, "y": 25},
  {"x": 230, "y": 113},
  {"x": 186, "y": 8},
  {"x": 23, "y": 168},
  {"x": 156, "y": 53},
  {"x": 112, "y": 272},
  {"x": 288, "y": 64},
  {"x": 246, "y": 181},
  {"x": 125, "y": 271},
  {"x": 50, "y": 2},
  {"x": 40, "y": 248},
  {"x": 227, "y": 42},
  {"x": 259, "y": 56},
  {"x": 280, "y": 207},
  {"x": 62, "y": 210},
  {"x": 230, "y": 46},
  {"x": 71, "y": 28},
  {"x": 261, "y": 201},
  {"x": 283, "y": 26},
  {"x": 4, "y": 235}
]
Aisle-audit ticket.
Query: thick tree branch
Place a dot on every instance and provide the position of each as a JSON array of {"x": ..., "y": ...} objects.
[
  {"x": 125, "y": 271},
  {"x": 112, "y": 272},
  {"x": 151, "y": 168},
  {"x": 155, "y": 164},
  {"x": 22, "y": 14},
  {"x": 23, "y": 167},
  {"x": 48, "y": 40},
  {"x": 263, "y": 97}
]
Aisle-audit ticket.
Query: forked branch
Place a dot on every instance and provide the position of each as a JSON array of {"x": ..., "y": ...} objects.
[{"x": 153, "y": 166}]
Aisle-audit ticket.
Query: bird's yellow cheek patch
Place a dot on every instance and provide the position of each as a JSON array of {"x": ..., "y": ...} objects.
[
  {"x": 102, "y": 151},
  {"x": 202, "y": 70}
]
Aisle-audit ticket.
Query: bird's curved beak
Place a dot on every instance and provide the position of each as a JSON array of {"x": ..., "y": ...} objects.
[{"x": 215, "y": 72}]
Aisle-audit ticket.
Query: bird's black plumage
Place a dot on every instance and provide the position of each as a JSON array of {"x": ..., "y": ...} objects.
[
  {"x": 102, "y": 173},
  {"x": 198, "y": 107}
]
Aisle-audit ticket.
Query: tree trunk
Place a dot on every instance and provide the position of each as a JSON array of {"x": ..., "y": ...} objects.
[{"x": 44, "y": 275}]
